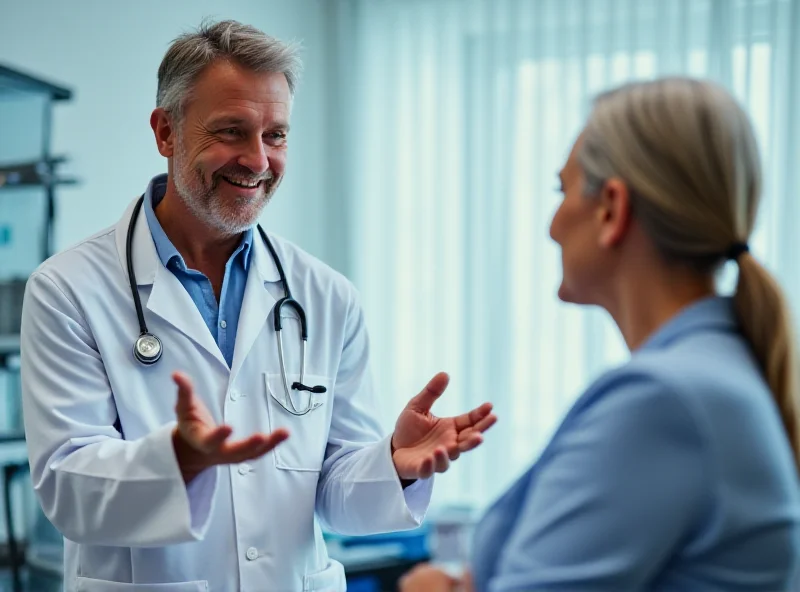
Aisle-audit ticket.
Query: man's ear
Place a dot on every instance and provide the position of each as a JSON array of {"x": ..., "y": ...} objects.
[
  {"x": 614, "y": 212},
  {"x": 162, "y": 124}
]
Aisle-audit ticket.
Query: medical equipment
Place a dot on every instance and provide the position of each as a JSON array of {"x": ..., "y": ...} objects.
[
  {"x": 30, "y": 178},
  {"x": 147, "y": 348}
]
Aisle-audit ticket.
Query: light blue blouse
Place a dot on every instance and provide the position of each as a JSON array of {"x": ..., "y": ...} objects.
[{"x": 672, "y": 472}]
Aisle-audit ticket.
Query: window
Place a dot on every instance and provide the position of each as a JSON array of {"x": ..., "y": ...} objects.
[{"x": 464, "y": 112}]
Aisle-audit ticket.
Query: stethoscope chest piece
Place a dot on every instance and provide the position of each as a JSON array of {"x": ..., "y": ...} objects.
[{"x": 147, "y": 348}]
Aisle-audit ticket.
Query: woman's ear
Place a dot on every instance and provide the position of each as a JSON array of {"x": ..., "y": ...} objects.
[
  {"x": 161, "y": 122},
  {"x": 614, "y": 212}
]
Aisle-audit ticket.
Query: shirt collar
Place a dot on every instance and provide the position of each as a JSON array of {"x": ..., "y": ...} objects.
[
  {"x": 245, "y": 248},
  {"x": 715, "y": 313},
  {"x": 167, "y": 253}
]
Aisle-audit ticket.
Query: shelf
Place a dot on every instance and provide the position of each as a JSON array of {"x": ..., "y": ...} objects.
[
  {"x": 14, "y": 81},
  {"x": 37, "y": 173},
  {"x": 14, "y": 85},
  {"x": 52, "y": 182}
]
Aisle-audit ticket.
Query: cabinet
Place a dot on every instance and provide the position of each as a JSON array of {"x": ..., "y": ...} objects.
[{"x": 29, "y": 179}]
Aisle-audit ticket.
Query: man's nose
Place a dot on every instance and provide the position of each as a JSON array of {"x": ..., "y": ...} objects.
[{"x": 255, "y": 157}]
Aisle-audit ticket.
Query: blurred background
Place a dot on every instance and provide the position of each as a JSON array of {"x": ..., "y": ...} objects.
[{"x": 426, "y": 140}]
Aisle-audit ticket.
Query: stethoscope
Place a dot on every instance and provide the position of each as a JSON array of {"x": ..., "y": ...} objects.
[{"x": 147, "y": 348}]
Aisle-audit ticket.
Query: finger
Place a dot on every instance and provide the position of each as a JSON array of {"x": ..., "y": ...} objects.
[
  {"x": 442, "y": 461},
  {"x": 465, "y": 434},
  {"x": 255, "y": 446},
  {"x": 471, "y": 443},
  {"x": 453, "y": 452},
  {"x": 185, "y": 392},
  {"x": 270, "y": 443},
  {"x": 485, "y": 423},
  {"x": 212, "y": 440},
  {"x": 469, "y": 419},
  {"x": 479, "y": 427},
  {"x": 432, "y": 391},
  {"x": 274, "y": 438},
  {"x": 259, "y": 443},
  {"x": 426, "y": 468},
  {"x": 240, "y": 448}
]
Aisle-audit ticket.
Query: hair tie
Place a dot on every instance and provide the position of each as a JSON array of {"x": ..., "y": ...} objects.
[{"x": 736, "y": 250}]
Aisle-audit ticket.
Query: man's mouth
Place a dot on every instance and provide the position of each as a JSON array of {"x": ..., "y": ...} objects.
[{"x": 242, "y": 183}]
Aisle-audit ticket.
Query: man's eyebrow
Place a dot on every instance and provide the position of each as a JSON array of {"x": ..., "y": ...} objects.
[
  {"x": 233, "y": 120},
  {"x": 226, "y": 120}
]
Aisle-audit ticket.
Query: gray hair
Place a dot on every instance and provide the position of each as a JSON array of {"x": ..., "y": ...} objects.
[
  {"x": 249, "y": 47},
  {"x": 688, "y": 154}
]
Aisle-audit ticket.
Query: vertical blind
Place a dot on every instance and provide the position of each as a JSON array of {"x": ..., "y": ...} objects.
[{"x": 451, "y": 121}]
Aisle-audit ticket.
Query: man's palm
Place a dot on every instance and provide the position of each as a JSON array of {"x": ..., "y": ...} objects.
[
  {"x": 424, "y": 444},
  {"x": 203, "y": 443}
]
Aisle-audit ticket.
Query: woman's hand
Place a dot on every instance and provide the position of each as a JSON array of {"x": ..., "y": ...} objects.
[{"x": 426, "y": 578}]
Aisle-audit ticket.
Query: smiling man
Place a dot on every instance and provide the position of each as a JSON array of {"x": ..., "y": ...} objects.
[{"x": 272, "y": 434}]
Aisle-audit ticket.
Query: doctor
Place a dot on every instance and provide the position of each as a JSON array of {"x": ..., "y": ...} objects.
[{"x": 273, "y": 431}]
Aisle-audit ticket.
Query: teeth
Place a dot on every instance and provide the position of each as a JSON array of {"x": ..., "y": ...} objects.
[{"x": 243, "y": 184}]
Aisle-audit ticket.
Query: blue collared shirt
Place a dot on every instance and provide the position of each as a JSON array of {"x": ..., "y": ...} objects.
[{"x": 222, "y": 318}]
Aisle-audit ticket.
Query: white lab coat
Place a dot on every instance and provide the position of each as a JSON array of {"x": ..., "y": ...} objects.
[{"x": 117, "y": 494}]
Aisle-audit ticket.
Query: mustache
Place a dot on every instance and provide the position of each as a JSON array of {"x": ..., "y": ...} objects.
[{"x": 243, "y": 174}]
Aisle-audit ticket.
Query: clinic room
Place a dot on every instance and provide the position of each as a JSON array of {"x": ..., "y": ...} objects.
[{"x": 399, "y": 296}]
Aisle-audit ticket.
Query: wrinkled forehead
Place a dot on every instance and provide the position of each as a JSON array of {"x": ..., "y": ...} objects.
[{"x": 227, "y": 87}]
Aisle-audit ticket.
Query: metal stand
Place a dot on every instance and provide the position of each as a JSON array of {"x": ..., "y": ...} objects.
[{"x": 16, "y": 556}]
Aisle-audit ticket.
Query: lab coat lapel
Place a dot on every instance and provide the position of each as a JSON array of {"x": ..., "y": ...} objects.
[
  {"x": 168, "y": 298},
  {"x": 257, "y": 303}
]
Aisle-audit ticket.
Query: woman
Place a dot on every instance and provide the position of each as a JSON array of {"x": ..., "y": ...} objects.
[{"x": 679, "y": 470}]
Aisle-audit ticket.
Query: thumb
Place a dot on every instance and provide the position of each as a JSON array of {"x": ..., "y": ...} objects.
[
  {"x": 185, "y": 392},
  {"x": 432, "y": 391}
]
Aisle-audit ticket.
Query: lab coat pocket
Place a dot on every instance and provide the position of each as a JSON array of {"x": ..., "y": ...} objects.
[
  {"x": 330, "y": 579},
  {"x": 308, "y": 433},
  {"x": 92, "y": 585}
]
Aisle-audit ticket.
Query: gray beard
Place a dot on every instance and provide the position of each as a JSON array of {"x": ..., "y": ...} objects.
[{"x": 204, "y": 204}]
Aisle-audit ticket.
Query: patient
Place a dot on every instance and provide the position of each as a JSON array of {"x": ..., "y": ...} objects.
[{"x": 679, "y": 470}]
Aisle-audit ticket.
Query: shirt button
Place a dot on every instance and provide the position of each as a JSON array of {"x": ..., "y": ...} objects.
[
  {"x": 223, "y": 324},
  {"x": 244, "y": 469},
  {"x": 252, "y": 554}
]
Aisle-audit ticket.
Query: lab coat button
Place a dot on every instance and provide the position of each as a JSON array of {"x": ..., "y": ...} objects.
[
  {"x": 244, "y": 469},
  {"x": 252, "y": 554},
  {"x": 234, "y": 395}
]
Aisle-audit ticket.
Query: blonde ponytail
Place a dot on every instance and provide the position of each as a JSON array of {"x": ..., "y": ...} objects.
[{"x": 765, "y": 320}]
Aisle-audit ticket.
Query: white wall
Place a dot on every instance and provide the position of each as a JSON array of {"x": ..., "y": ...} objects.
[{"x": 108, "y": 52}]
